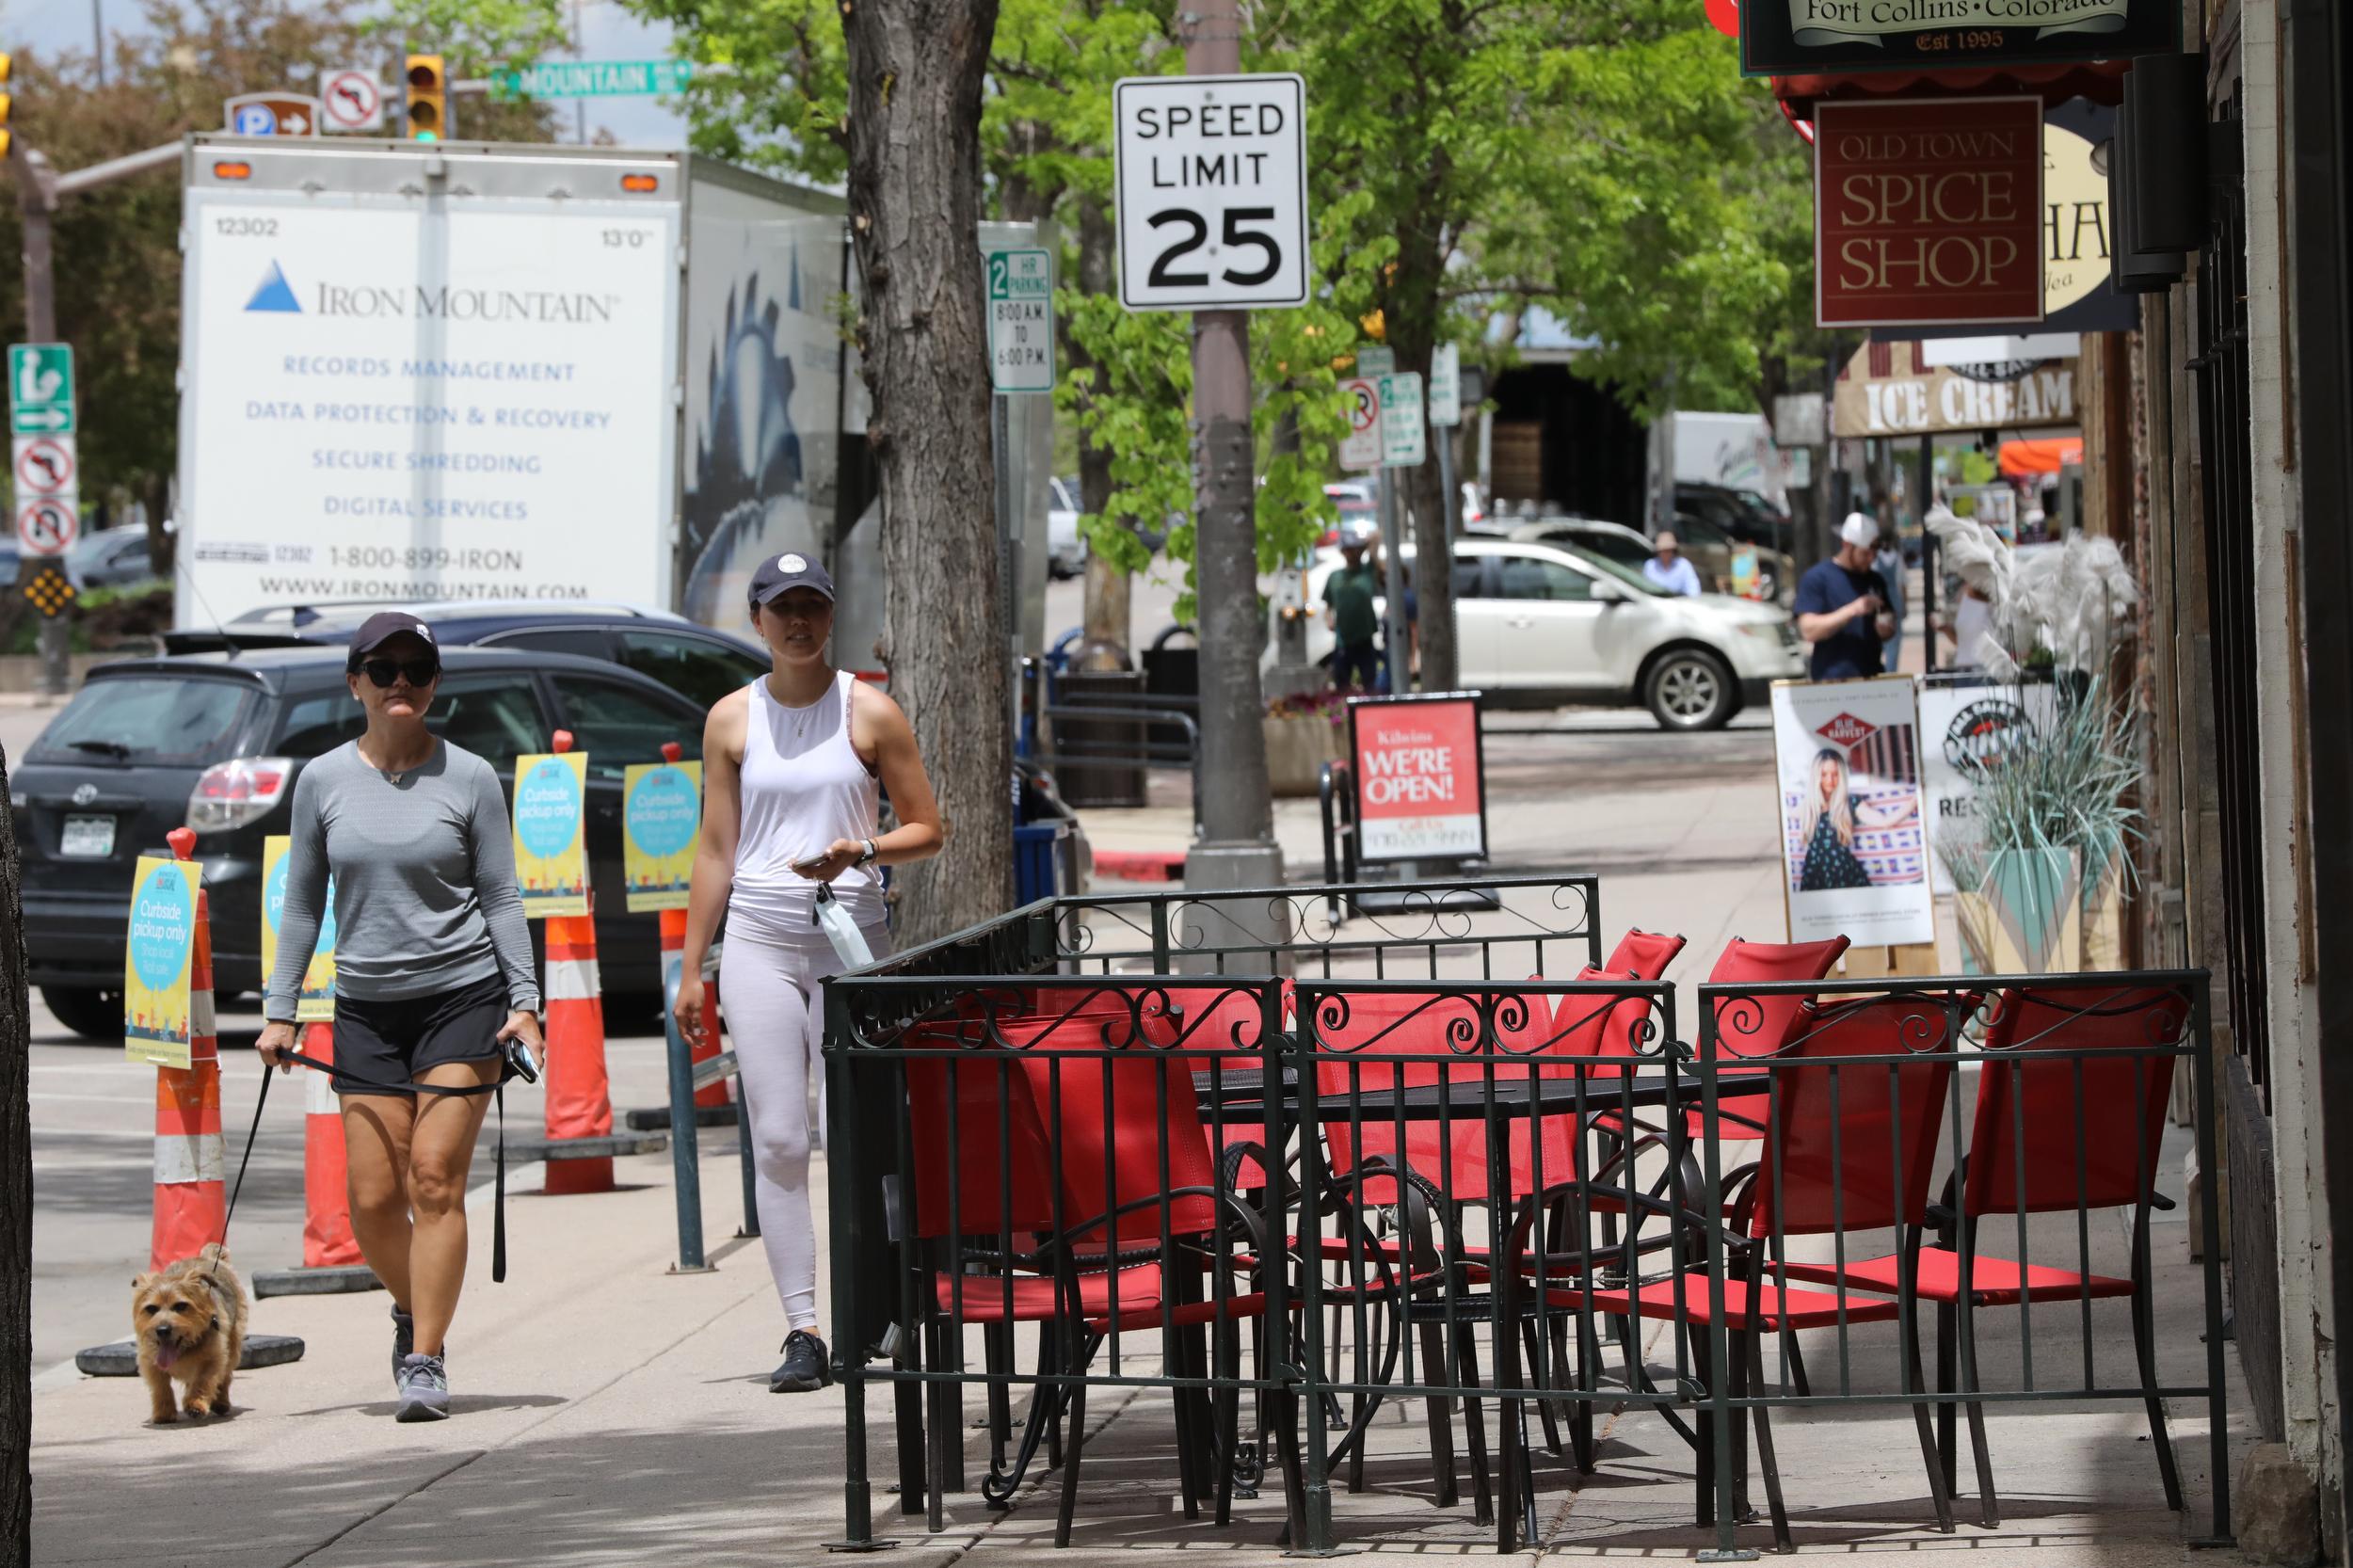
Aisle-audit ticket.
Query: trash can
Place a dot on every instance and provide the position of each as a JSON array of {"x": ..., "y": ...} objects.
[
  {"x": 1097, "y": 761},
  {"x": 1036, "y": 856},
  {"x": 1173, "y": 672}
]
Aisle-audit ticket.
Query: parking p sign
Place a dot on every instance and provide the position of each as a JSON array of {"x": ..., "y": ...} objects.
[{"x": 1211, "y": 176}]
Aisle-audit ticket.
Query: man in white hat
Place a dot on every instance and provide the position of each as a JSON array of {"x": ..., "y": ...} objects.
[{"x": 1842, "y": 606}]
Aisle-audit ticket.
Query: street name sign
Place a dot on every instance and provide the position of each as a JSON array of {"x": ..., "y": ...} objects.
[
  {"x": 1404, "y": 443},
  {"x": 592, "y": 79},
  {"x": 40, "y": 389},
  {"x": 1445, "y": 385},
  {"x": 1021, "y": 321},
  {"x": 1361, "y": 447},
  {"x": 271, "y": 114},
  {"x": 1374, "y": 359},
  {"x": 350, "y": 100},
  {"x": 1210, "y": 182}
]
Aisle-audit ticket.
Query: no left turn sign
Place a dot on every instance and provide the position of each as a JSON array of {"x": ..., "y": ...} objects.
[
  {"x": 44, "y": 466},
  {"x": 351, "y": 101},
  {"x": 48, "y": 525}
]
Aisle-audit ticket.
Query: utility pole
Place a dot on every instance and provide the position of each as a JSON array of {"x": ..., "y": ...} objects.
[
  {"x": 36, "y": 200},
  {"x": 1237, "y": 846}
]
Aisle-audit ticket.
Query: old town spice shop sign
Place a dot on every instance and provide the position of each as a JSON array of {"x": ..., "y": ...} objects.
[
  {"x": 1928, "y": 212},
  {"x": 1796, "y": 38},
  {"x": 1421, "y": 777}
]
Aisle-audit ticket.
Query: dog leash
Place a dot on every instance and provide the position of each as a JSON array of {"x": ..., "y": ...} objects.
[{"x": 516, "y": 1063}]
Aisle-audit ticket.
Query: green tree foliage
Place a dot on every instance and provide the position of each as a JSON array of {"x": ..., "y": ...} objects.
[{"x": 1468, "y": 158}]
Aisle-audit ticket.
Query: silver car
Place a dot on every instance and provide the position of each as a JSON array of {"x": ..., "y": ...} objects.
[{"x": 1540, "y": 624}]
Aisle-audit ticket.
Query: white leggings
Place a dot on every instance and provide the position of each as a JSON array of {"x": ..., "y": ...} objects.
[{"x": 773, "y": 1000}]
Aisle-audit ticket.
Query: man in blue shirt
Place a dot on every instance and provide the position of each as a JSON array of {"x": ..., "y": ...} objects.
[
  {"x": 1842, "y": 606},
  {"x": 1668, "y": 569}
]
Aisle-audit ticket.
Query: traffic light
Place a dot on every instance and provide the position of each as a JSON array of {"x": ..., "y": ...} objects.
[
  {"x": 429, "y": 97},
  {"x": 7, "y": 134}
]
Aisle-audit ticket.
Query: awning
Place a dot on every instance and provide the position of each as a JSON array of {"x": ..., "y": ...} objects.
[
  {"x": 2023, "y": 460},
  {"x": 2100, "y": 81}
]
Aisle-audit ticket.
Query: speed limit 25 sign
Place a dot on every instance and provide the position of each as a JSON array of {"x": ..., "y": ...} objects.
[{"x": 1212, "y": 193}]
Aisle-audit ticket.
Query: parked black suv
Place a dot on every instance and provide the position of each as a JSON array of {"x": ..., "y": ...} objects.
[
  {"x": 691, "y": 658},
  {"x": 213, "y": 741}
]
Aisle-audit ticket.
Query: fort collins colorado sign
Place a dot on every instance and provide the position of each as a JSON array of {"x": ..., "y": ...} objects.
[
  {"x": 1792, "y": 38},
  {"x": 1928, "y": 212}
]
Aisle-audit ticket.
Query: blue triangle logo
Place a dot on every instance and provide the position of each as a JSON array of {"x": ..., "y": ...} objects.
[{"x": 275, "y": 294}]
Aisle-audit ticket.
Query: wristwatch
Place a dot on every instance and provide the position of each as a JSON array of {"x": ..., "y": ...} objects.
[{"x": 871, "y": 852}]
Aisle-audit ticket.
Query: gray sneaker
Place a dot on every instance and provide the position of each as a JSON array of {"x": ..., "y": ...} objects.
[
  {"x": 424, "y": 1389},
  {"x": 404, "y": 1342}
]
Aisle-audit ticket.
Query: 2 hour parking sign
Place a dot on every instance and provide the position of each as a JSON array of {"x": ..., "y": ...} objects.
[{"x": 1213, "y": 195}]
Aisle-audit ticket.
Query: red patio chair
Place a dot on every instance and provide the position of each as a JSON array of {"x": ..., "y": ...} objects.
[
  {"x": 1761, "y": 1025},
  {"x": 1643, "y": 954},
  {"x": 1851, "y": 1147},
  {"x": 1102, "y": 1195},
  {"x": 2039, "y": 1144}
]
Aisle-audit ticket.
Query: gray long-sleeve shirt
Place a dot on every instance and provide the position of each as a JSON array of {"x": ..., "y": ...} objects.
[{"x": 425, "y": 900}]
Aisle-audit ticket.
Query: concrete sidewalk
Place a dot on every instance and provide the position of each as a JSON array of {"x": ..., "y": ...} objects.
[{"x": 608, "y": 1411}]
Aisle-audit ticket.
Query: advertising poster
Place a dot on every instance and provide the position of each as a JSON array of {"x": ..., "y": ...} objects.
[
  {"x": 1854, "y": 844},
  {"x": 1968, "y": 726},
  {"x": 661, "y": 809},
  {"x": 390, "y": 399},
  {"x": 551, "y": 857},
  {"x": 316, "y": 1004},
  {"x": 159, "y": 962},
  {"x": 1421, "y": 777}
]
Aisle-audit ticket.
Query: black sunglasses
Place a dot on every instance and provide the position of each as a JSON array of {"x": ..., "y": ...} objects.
[{"x": 420, "y": 672}]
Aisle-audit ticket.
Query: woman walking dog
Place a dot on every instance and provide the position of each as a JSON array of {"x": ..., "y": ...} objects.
[
  {"x": 791, "y": 765},
  {"x": 433, "y": 976}
]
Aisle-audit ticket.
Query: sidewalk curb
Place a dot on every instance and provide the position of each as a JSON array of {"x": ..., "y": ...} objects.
[{"x": 1140, "y": 865}]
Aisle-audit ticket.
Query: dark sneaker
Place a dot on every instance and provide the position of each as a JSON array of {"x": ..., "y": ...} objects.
[
  {"x": 404, "y": 1342},
  {"x": 424, "y": 1389},
  {"x": 805, "y": 1369}
]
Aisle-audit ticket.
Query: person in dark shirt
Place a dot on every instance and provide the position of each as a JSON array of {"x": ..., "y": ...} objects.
[
  {"x": 1842, "y": 606},
  {"x": 1348, "y": 596}
]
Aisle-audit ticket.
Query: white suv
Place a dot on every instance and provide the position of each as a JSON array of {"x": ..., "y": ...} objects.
[{"x": 1540, "y": 624}]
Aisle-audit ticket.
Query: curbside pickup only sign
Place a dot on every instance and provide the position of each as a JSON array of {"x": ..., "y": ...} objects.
[{"x": 1421, "y": 787}]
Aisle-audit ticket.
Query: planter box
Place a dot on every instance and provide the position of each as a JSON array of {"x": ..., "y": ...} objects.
[
  {"x": 2028, "y": 918},
  {"x": 1296, "y": 750}
]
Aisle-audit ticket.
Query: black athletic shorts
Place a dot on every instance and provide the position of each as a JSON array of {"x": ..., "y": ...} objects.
[{"x": 385, "y": 1043}]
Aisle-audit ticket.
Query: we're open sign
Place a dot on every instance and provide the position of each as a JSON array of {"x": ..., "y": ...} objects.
[{"x": 1421, "y": 777}]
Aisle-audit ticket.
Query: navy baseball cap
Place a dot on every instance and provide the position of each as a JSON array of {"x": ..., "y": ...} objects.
[
  {"x": 778, "y": 574},
  {"x": 382, "y": 626}
]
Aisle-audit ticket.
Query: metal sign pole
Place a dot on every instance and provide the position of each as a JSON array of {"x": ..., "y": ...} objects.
[
  {"x": 1393, "y": 586},
  {"x": 1008, "y": 548}
]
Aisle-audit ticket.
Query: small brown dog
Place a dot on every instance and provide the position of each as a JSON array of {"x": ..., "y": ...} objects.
[{"x": 188, "y": 1321}]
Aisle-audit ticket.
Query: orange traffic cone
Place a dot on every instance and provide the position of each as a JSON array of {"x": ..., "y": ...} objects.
[
  {"x": 579, "y": 1094},
  {"x": 191, "y": 1205},
  {"x": 705, "y": 1045},
  {"x": 326, "y": 1238}
]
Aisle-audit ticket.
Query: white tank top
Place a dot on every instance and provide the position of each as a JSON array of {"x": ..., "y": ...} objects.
[{"x": 803, "y": 787}]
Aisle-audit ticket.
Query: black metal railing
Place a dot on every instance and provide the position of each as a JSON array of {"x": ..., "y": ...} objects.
[{"x": 1348, "y": 1166}]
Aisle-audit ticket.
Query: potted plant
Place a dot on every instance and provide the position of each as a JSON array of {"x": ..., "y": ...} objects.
[
  {"x": 2041, "y": 865},
  {"x": 1303, "y": 733}
]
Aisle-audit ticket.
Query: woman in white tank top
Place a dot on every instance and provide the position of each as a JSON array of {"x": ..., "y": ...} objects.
[{"x": 794, "y": 767}]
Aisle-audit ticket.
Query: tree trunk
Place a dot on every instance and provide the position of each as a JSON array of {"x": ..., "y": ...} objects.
[
  {"x": 1412, "y": 314},
  {"x": 1108, "y": 616},
  {"x": 915, "y": 74},
  {"x": 159, "y": 543},
  {"x": 16, "y": 1215}
]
